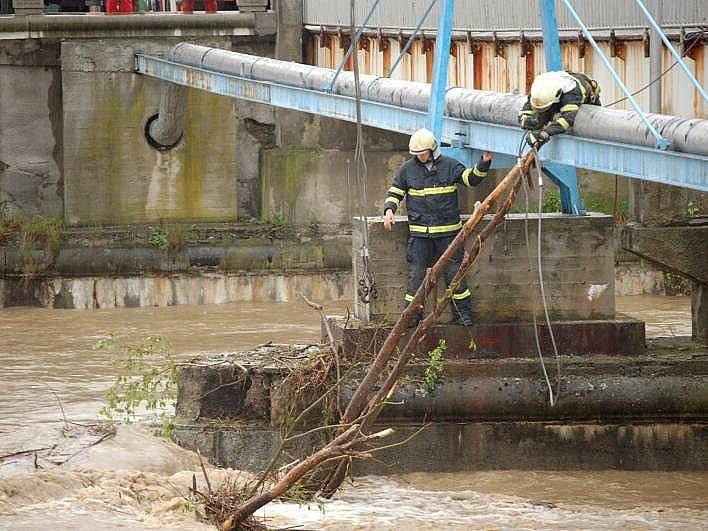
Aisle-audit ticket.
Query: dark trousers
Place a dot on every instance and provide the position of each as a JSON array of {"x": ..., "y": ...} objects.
[{"x": 422, "y": 253}]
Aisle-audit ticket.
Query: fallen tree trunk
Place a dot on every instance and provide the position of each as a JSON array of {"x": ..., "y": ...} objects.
[
  {"x": 376, "y": 403},
  {"x": 360, "y": 397},
  {"x": 362, "y": 411},
  {"x": 344, "y": 444}
]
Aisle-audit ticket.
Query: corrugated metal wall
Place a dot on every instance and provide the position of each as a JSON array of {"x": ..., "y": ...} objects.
[
  {"x": 508, "y": 66},
  {"x": 504, "y": 14}
]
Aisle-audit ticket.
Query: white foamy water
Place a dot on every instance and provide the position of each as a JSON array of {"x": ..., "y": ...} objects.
[{"x": 492, "y": 500}]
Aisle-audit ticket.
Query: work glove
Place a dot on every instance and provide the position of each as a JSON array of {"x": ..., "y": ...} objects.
[
  {"x": 530, "y": 123},
  {"x": 537, "y": 138}
]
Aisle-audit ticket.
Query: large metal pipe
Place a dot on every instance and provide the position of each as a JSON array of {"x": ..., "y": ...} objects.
[
  {"x": 688, "y": 135},
  {"x": 164, "y": 129}
]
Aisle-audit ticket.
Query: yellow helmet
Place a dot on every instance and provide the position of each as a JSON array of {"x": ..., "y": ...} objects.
[
  {"x": 548, "y": 88},
  {"x": 422, "y": 140}
]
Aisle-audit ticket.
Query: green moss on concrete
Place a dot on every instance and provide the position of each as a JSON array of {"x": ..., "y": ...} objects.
[
  {"x": 111, "y": 180},
  {"x": 282, "y": 171},
  {"x": 204, "y": 152},
  {"x": 108, "y": 159},
  {"x": 192, "y": 160}
]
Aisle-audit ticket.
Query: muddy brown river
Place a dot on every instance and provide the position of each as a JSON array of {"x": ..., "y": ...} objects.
[{"x": 136, "y": 480}]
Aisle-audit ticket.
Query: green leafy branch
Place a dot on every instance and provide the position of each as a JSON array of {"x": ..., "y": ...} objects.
[
  {"x": 434, "y": 370},
  {"x": 147, "y": 376}
]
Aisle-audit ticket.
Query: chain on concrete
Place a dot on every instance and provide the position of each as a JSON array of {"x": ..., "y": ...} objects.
[{"x": 367, "y": 283}]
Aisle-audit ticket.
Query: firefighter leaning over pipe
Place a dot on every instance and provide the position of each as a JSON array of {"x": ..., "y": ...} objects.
[
  {"x": 429, "y": 180},
  {"x": 553, "y": 102}
]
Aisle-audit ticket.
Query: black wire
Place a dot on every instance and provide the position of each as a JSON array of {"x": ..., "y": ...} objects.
[
  {"x": 695, "y": 40},
  {"x": 520, "y": 151}
]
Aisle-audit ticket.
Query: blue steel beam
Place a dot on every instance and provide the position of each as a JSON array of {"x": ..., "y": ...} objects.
[
  {"x": 667, "y": 167},
  {"x": 678, "y": 58},
  {"x": 565, "y": 177},
  {"x": 436, "y": 107},
  {"x": 661, "y": 142},
  {"x": 551, "y": 40}
]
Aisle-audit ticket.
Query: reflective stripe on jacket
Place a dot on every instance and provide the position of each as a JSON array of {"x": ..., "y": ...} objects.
[
  {"x": 560, "y": 117},
  {"x": 431, "y": 195}
]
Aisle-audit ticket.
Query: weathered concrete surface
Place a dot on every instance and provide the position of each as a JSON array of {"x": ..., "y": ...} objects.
[
  {"x": 165, "y": 25},
  {"x": 27, "y": 7},
  {"x": 659, "y": 204},
  {"x": 699, "y": 312},
  {"x": 483, "y": 414},
  {"x": 680, "y": 249},
  {"x": 90, "y": 293},
  {"x": 451, "y": 447},
  {"x": 209, "y": 264},
  {"x": 638, "y": 278},
  {"x": 577, "y": 253},
  {"x": 460, "y": 446},
  {"x": 31, "y": 128},
  {"x": 305, "y": 185},
  {"x": 176, "y": 247},
  {"x": 619, "y": 337},
  {"x": 71, "y": 131},
  {"x": 112, "y": 174}
]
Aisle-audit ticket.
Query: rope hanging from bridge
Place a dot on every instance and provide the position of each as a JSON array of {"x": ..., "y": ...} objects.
[{"x": 366, "y": 283}]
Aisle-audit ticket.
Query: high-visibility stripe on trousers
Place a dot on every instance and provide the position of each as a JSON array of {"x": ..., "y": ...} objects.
[{"x": 422, "y": 253}]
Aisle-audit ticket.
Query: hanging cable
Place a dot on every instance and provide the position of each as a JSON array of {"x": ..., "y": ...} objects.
[
  {"x": 367, "y": 284},
  {"x": 540, "y": 273},
  {"x": 551, "y": 397}
]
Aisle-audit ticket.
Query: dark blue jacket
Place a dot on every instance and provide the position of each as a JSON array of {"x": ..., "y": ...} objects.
[{"x": 431, "y": 195}]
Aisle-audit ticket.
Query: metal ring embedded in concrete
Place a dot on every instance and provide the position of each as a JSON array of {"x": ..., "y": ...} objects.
[{"x": 154, "y": 143}]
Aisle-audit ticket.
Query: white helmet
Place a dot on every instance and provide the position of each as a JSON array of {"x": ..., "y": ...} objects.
[
  {"x": 422, "y": 140},
  {"x": 548, "y": 88}
]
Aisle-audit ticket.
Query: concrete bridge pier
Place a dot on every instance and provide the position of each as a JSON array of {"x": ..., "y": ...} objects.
[
  {"x": 620, "y": 403},
  {"x": 577, "y": 259},
  {"x": 671, "y": 230}
]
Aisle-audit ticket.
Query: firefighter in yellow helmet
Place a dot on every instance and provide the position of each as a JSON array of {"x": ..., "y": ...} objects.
[
  {"x": 553, "y": 102},
  {"x": 428, "y": 181}
]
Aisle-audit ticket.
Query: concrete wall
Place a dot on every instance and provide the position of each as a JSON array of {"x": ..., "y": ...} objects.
[
  {"x": 577, "y": 252},
  {"x": 31, "y": 127},
  {"x": 90, "y": 293},
  {"x": 73, "y": 114},
  {"x": 308, "y": 185},
  {"x": 483, "y": 414},
  {"x": 112, "y": 174}
]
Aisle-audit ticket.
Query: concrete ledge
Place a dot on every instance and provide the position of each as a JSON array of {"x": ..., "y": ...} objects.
[
  {"x": 454, "y": 447},
  {"x": 128, "y": 251},
  {"x": 88, "y": 293},
  {"x": 683, "y": 249},
  {"x": 643, "y": 412},
  {"x": 149, "y": 24},
  {"x": 591, "y": 388},
  {"x": 619, "y": 337}
]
